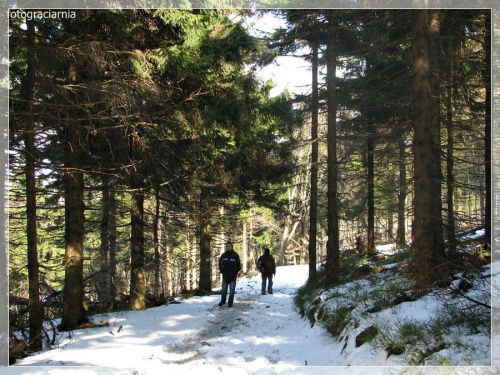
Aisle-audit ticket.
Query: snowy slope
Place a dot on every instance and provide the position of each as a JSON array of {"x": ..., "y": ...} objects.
[{"x": 259, "y": 335}]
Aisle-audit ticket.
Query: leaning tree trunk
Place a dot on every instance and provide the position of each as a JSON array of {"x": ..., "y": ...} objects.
[
  {"x": 73, "y": 309},
  {"x": 34, "y": 307},
  {"x": 332, "y": 247},
  {"x": 427, "y": 197}
]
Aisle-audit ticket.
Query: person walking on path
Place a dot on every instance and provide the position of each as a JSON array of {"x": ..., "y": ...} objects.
[
  {"x": 267, "y": 267},
  {"x": 229, "y": 266}
]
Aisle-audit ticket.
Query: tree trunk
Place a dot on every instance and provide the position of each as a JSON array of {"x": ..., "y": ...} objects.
[
  {"x": 157, "y": 289},
  {"x": 137, "y": 272},
  {"x": 313, "y": 211},
  {"x": 487, "y": 129},
  {"x": 401, "y": 232},
  {"x": 205, "y": 284},
  {"x": 34, "y": 307},
  {"x": 112, "y": 244},
  {"x": 245, "y": 245},
  {"x": 73, "y": 309},
  {"x": 104, "y": 297},
  {"x": 428, "y": 242},
  {"x": 436, "y": 172},
  {"x": 332, "y": 246},
  {"x": 370, "y": 186},
  {"x": 166, "y": 269},
  {"x": 253, "y": 250},
  {"x": 286, "y": 237},
  {"x": 450, "y": 178}
]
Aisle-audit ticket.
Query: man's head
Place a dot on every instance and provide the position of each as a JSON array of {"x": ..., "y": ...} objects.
[
  {"x": 229, "y": 246},
  {"x": 266, "y": 250}
]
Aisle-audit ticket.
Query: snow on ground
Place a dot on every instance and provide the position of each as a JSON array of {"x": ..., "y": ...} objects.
[{"x": 259, "y": 335}]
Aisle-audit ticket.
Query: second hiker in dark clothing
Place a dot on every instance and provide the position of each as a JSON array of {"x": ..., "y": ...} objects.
[
  {"x": 229, "y": 266},
  {"x": 267, "y": 267}
]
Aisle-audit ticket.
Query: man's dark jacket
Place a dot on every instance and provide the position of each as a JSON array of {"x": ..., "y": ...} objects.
[{"x": 229, "y": 265}]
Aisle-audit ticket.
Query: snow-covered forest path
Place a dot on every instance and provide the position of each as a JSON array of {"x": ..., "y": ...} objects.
[{"x": 259, "y": 334}]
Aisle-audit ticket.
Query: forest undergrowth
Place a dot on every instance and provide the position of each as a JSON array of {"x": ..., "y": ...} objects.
[{"x": 372, "y": 301}]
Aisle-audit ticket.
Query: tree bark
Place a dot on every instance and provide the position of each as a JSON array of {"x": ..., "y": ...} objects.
[
  {"x": 313, "y": 211},
  {"x": 245, "y": 245},
  {"x": 427, "y": 200},
  {"x": 370, "y": 186},
  {"x": 104, "y": 296},
  {"x": 137, "y": 272},
  {"x": 205, "y": 284},
  {"x": 401, "y": 231},
  {"x": 112, "y": 243},
  {"x": 332, "y": 247},
  {"x": 487, "y": 129},
  {"x": 34, "y": 307},
  {"x": 73, "y": 309},
  {"x": 450, "y": 178}
]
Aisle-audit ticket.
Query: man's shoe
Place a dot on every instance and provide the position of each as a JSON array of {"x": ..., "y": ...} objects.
[{"x": 220, "y": 304}]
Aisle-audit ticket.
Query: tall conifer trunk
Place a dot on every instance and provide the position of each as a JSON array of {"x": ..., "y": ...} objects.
[
  {"x": 205, "y": 284},
  {"x": 450, "y": 178},
  {"x": 313, "y": 211},
  {"x": 34, "y": 307},
  {"x": 332, "y": 247},
  {"x": 487, "y": 129},
  {"x": 104, "y": 296},
  {"x": 156, "y": 244},
  {"x": 401, "y": 231},
  {"x": 73, "y": 309},
  {"x": 427, "y": 201},
  {"x": 112, "y": 243},
  {"x": 137, "y": 272},
  {"x": 370, "y": 185}
]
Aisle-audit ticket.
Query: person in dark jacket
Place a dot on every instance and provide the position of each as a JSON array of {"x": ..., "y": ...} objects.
[
  {"x": 267, "y": 267},
  {"x": 229, "y": 266}
]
